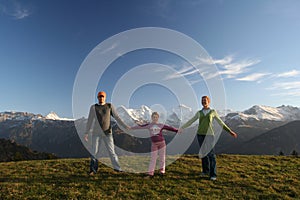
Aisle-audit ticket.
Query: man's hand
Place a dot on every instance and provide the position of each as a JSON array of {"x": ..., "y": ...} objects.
[{"x": 86, "y": 137}]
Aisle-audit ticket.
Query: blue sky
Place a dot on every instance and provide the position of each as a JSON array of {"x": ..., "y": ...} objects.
[{"x": 254, "y": 44}]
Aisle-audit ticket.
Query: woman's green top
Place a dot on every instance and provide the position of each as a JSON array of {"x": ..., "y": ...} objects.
[{"x": 205, "y": 126}]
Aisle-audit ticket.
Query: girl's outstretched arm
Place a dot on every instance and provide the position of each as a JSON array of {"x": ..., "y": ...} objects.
[
  {"x": 143, "y": 126},
  {"x": 170, "y": 128}
]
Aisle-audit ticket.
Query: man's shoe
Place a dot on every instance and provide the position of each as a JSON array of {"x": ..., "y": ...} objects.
[
  {"x": 213, "y": 178},
  {"x": 118, "y": 170}
]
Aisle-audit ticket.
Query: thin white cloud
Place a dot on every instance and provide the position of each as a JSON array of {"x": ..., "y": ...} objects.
[
  {"x": 236, "y": 68},
  {"x": 112, "y": 47},
  {"x": 289, "y": 89},
  {"x": 292, "y": 73},
  {"x": 192, "y": 72},
  {"x": 199, "y": 67},
  {"x": 208, "y": 60},
  {"x": 15, "y": 9},
  {"x": 226, "y": 67},
  {"x": 224, "y": 61},
  {"x": 292, "y": 93},
  {"x": 286, "y": 85},
  {"x": 253, "y": 77},
  {"x": 21, "y": 13},
  {"x": 184, "y": 71}
]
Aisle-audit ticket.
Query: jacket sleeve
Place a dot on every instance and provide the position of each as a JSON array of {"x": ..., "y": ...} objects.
[
  {"x": 219, "y": 120},
  {"x": 91, "y": 118},
  {"x": 170, "y": 128},
  {"x": 191, "y": 121},
  {"x": 144, "y": 126},
  {"x": 115, "y": 115}
]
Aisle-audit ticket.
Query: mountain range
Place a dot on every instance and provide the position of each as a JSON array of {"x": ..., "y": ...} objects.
[{"x": 261, "y": 130}]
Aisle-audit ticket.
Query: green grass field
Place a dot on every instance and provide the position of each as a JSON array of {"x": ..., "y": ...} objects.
[{"x": 239, "y": 177}]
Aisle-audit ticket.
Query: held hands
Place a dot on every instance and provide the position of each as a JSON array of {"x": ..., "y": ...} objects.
[
  {"x": 122, "y": 129},
  {"x": 233, "y": 134},
  {"x": 127, "y": 128},
  {"x": 180, "y": 130}
]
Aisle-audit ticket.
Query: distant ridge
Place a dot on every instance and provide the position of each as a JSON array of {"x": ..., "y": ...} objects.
[
  {"x": 284, "y": 139},
  {"x": 11, "y": 151},
  {"x": 261, "y": 112}
]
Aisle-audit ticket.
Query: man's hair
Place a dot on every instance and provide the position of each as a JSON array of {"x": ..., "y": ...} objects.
[{"x": 155, "y": 113}]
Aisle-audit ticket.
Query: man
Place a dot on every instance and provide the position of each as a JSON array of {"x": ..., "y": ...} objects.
[
  {"x": 205, "y": 132},
  {"x": 99, "y": 122}
]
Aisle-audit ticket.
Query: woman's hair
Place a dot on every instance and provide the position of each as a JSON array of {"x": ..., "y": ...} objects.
[
  {"x": 206, "y": 97},
  {"x": 155, "y": 113}
]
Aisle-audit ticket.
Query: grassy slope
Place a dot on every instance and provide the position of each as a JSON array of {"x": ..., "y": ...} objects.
[{"x": 239, "y": 177}]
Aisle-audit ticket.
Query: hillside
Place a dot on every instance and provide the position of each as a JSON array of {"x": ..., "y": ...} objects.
[
  {"x": 283, "y": 139},
  {"x": 58, "y": 137},
  {"x": 11, "y": 151},
  {"x": 240, "y": 177}
]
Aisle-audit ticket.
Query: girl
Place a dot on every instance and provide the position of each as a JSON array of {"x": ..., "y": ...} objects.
[{"x": 158, "y": 144}]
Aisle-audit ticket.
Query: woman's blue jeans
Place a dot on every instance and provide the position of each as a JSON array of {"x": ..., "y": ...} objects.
[{"x": 209, "y": 164}]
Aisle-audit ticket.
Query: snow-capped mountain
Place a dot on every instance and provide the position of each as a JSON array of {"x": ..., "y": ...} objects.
[
  {"x": 19, "y": 116},
  {"x": 176, "y": 115},
  {"x": 260, "y": 112},
  {"x": 183, "y": 113},
  {"x": 53, "y": 116},
  {"x": 130, "y": 116},
  {"x": 30, "y": 116},
  {"x": 42, "y": 134}
]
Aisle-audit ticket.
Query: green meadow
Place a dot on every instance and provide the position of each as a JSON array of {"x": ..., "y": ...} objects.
[{"x": 239, "y": 177}]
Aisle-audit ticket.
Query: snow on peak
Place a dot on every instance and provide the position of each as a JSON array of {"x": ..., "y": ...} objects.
[
  {"x": 182, "y": 112},
  {"x": 130, "y": 115},
  {"x": 143, "y": 114},
  {"x": 53, "y": 116},
  {"x": 262, "y": 112},
  {"x": 13, "y": 115},
  {"x": 145, "y": 108}
]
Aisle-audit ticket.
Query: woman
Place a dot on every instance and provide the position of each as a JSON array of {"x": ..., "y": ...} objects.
[{"x": 205, "y": 132}]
